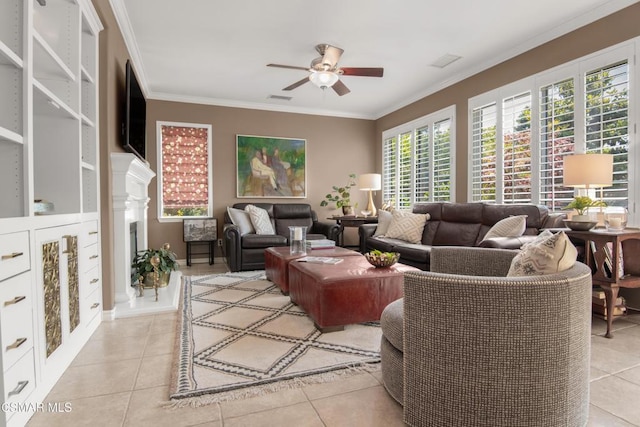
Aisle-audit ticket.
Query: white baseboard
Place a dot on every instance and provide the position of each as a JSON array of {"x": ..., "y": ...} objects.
[{"x": 109, "y": 314}]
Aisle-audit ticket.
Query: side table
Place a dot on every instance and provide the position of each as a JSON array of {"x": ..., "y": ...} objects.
[
  {"x": 625, "y": 246},
  {"x": 200, "y": 231},
  {"x": 351, "y": 221}
]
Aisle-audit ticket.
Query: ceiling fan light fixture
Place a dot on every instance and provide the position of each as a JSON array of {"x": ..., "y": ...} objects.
[{"x": 323, "y": 79}]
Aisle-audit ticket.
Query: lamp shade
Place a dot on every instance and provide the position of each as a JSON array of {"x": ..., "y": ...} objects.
[
  {"x": 588, "y": 170},
  {"x": 370, "y": 181}
]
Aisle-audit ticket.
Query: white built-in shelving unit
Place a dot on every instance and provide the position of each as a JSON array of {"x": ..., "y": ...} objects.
[{"x": 49, "y": 153}]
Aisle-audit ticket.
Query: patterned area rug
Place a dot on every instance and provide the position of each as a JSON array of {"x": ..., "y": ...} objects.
[{"x": 239, "y": 336}]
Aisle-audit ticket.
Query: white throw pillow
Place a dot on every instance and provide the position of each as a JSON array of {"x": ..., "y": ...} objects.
[
  {"x": 260, "y": 220},
  {"x": 512, "y": 226},
  {"x": 407, "y": 226},
  {"x": 241, "y": 219},
  {"x": 384, "y": 219},
  {"x": 549, "y": 253}
]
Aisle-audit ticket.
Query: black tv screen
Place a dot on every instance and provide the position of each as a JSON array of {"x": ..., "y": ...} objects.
[{"x": 135, "y": 120}]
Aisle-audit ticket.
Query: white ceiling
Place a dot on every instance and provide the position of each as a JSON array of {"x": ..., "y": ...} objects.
[{"x": 215, "y": 52}]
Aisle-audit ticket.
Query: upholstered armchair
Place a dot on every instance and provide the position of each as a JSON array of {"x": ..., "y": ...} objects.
[{"x": 469, "y": 346}]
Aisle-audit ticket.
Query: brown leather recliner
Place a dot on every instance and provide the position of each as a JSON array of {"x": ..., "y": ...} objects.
[{"x": 246, "y": 252}]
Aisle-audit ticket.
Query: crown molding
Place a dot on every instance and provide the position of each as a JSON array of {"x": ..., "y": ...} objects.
[{"x": 124, "y": 23}]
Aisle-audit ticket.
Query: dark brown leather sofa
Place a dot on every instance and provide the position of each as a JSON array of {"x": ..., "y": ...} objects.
[
  {"x": 246, "y": 252},
  {"x": 460, "y": 224}
]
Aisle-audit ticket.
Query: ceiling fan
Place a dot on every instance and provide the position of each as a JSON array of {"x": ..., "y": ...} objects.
[{"x": 324, "y": 70}]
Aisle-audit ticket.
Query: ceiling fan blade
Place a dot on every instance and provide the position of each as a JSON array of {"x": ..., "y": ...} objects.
[
  {"x": 331, "y": 55},
  {"x": 340, "y": 88},
  {"x": 364, "y": 72},
  {"x": 291, "y": 67},
  {"x": 297, "y": 84}
]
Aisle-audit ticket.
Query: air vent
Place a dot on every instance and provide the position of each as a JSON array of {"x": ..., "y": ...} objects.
[
  {"x": 280, "y": 97},
  {"x": 445, "y": 60}
]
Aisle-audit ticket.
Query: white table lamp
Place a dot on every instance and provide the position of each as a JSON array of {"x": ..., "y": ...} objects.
[
  {"x": 370, "y": 182},
  {"x": 588, "y": 170}
]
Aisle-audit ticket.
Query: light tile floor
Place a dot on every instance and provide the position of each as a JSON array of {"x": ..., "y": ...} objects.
[{"x": 122, "y": 375}]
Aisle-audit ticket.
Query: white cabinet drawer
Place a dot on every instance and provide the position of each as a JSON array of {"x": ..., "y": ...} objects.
[
  {"x": 90, "y": 281},
  {"x": 16, "y": 319},
  {"x": 89, "y": 258},
  {"x": 20, "y": 380},
  {"x": 89, "y": 234},
  {"x": 91, "y": 306},
  {"x": 14, "y": 254}
]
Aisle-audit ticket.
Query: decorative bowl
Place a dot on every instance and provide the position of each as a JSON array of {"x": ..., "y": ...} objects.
[
  {"x": 580, "y": 225},
  {"x": 382, "y": 259},
  {"x": 42, "y": 207}
]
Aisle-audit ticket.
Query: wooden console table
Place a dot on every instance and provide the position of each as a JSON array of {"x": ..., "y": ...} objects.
[
  {"x": 351, "y": 221},
  {"x": 625, "y": 245}
]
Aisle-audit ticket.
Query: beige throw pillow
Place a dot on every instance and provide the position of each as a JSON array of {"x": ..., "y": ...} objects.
[
  {"x": 260, "y": 220},
  {"x": 384, "y": 219},
  {"x": 241, "y": 219},
  {"x": 548, "y": 253},
  {"x": 407, "y": 226},
  {"x": 512, "y": 226}
]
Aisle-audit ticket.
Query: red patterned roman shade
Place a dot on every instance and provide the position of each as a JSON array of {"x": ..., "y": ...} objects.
[{"x": 185, "y": 168}]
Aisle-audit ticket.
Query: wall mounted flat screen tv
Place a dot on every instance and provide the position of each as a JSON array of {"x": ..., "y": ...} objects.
[{"x": 134, "y": 136}]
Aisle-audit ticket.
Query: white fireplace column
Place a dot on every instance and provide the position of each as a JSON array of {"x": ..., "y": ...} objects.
[{"x": 131, "y": 178}]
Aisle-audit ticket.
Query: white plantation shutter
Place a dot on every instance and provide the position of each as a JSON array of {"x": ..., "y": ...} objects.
[
  {"x": 483, "y": 154},
  {"x": 516, "y": 149},
  {"x": 422, "y": 162},
  {"x": 418, "y": 161},
  {"x": 442, "y": 161},
  {"x": 405, "y": 178},
  {"x": 606, "y": 124},
  {"x": 582, "y": 107},
  {"x": 389, "y": 170},
  {"x": 557, "y": 131}
]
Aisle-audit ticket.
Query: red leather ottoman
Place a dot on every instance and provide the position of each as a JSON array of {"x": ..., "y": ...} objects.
[
  {"x": 352, "y": 291},
  {"x": 276, "y": 262}
]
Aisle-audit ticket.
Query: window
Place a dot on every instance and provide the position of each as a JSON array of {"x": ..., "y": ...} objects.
[
  {"x": 184, "y": 172},
  {"x": 417, "y": 161},
  {"x": 516, "y": 148},
  {"x": 607, "y": 124},
  {"x": 520, "y": 133},
  {"x": 501, "y": 169},
  {"x": 483, "y": 153},
  {"x": 557, "y": 132}
]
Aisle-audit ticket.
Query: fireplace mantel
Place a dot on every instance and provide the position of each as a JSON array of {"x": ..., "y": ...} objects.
[{"x": 131, "y": 178}]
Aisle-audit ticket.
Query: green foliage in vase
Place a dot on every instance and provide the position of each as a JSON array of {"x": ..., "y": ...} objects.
[
  {"x": 582, "y": 203},
  {"x": 142, "y": 261},
  {"x": 341, "y": 196}
]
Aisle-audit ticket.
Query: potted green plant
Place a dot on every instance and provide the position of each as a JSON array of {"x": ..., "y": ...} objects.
[
  {"x": 143, "y": 266},
  {"x": 581, "y": 204},
  {"x": 341, "y": 196}
]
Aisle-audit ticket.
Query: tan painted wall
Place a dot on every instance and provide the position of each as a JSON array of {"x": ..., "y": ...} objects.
[
  {"x": 603, "y": 33},
  {"x": 113, "y": 56},
  {"x": 335, "y": 148}
]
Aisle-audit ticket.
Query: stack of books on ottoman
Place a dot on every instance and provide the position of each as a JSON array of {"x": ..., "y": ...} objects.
[
  {"x": 599, "y": 305},
  {"x": 321, "y": 244}
]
